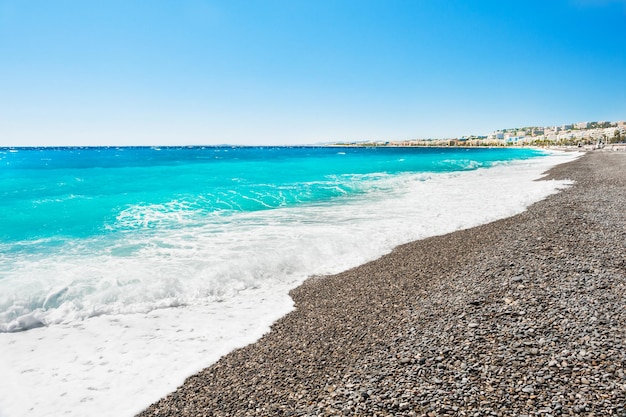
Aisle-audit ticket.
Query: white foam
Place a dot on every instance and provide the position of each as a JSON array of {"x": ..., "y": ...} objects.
[{"x": 111, "y": 349}]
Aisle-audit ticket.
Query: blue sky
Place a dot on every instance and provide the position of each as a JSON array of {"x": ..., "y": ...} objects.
[{"x": 292, "y": 72}]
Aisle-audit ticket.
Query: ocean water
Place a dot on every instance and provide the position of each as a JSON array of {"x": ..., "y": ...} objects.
[{"x": 125, "y": 270}]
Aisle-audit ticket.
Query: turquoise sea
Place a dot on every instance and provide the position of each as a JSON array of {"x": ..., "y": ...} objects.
[
  {"x": 51, "y": 196},
  {"x": 64, "y": 203}
]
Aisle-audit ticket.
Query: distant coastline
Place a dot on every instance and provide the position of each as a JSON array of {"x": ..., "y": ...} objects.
[
  {"x": 586, "y": 135},
  {"x": 576, "y": 136},
  {"x": 437, "y": 143}
]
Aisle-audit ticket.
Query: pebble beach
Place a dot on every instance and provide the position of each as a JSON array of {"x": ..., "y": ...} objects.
[{"x": 525, "y": 316}]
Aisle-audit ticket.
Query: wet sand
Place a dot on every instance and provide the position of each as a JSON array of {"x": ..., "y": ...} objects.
[{"x": 522, "y": 316}]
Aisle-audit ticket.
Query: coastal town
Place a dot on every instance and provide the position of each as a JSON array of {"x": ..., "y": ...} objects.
[{"x": 587, "y": 135}]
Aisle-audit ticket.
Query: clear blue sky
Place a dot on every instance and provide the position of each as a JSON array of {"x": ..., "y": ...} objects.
[{"x": 293, "y": 71}]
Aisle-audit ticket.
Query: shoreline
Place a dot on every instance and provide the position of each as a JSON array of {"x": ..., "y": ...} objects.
[
  {"x": 142, "y": 357},
  {"x": 519, "y": 316}
]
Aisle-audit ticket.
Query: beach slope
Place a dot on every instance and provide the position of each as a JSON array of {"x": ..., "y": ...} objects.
[{"x": 522, "y": 316}]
